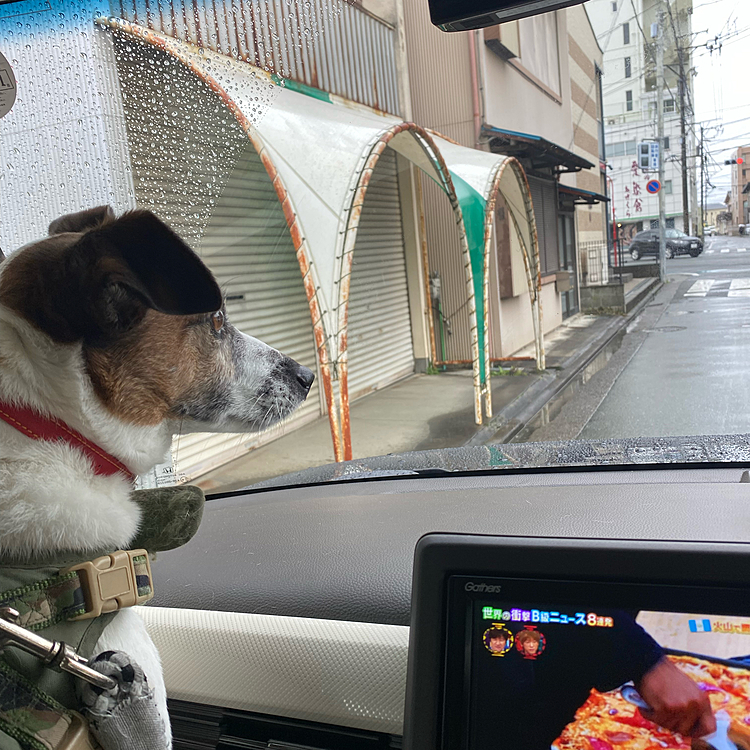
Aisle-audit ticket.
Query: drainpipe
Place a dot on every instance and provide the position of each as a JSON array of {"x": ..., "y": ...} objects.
[
  {"x": 402, "y": 65},
  {"x": 473, "y": 36}
]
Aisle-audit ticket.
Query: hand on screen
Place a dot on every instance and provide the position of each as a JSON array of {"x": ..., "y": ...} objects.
[{"x": 677, "y": 703}]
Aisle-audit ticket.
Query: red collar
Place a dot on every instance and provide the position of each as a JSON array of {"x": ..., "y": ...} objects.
[{"x": 34, "y": 425}]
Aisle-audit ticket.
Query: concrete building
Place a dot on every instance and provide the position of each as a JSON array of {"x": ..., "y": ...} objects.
[
  {"x": 585, "y": 66},
  {"x": 716, "y": 215},
  {"x": 629, "y": 96},
  {"x": 507, "y": 89},
  {"x": 740, "y": 208}
]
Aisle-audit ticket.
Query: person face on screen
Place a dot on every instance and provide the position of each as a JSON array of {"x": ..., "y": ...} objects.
[
  {"x": 498, "y": 642},
  {"x": 529, "y": 643}
]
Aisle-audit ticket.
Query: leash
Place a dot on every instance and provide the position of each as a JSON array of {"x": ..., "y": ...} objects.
[{"x": 38, "y": 427}]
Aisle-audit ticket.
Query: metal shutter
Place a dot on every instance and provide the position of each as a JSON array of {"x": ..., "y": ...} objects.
[
  {"x": 380, "y": 342},
  {"x": 248, "y": 247}
]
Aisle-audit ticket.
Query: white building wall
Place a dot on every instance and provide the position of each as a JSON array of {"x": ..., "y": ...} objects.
[
  {"x": 518, "y": 331},
  {"x": 632, "y": 202},
  {"x": 629, "y": 126},
  {"x": 514, "y": 102}
]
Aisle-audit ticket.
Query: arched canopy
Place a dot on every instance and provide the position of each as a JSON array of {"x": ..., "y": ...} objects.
[
  {"x": 319, "y": 153},
  {"x": 478, "y": 176}
]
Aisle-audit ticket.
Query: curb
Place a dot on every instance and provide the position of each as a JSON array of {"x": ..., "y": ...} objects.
[{"x": 519, "y": 412}]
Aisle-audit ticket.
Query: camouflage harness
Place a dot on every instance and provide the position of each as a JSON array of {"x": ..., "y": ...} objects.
[
  {"x": 70, "y": 600},
  {"x": 63, "y": 601}
]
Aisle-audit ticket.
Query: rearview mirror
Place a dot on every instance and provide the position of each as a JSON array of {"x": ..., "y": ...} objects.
[{"x": 463, "y": 15}]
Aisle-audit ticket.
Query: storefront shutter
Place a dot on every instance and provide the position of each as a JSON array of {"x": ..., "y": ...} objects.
[
  {"x": 248, "y": 247},
  {"x": 380, "y": 341}
]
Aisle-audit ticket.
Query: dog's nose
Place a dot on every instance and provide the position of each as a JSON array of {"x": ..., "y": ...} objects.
[{"x": 305, "y": 377}]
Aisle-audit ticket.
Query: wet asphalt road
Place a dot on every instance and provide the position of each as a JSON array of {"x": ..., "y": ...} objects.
[{"x": 690, "y": 370}]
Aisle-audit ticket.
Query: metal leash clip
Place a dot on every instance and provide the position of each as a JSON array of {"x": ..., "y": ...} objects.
[{"x": 54, "y": 654}]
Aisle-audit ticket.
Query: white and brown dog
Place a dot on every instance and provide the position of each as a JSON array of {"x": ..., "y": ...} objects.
[{"x": 115, "y": 327}]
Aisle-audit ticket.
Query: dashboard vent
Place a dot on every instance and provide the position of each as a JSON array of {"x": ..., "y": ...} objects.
[{"x": 199, "y": 727}]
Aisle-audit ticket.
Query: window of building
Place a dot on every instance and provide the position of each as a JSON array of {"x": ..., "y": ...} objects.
[
  {"x": 628, "y": 68},
  {"x": 537, "y": 38},
  {"x": 654, "y": 224},
  {"x": 670, "y": 223},
  {"x": 626, "y": 33},
  {"x": 544, "y": 198},
  {"x": 622, "y": 148},
  {"x": 629, "y": 101},
  {"x": 614, "y": 6},
  {"x": 667, "y": 188},
  {"x": 666, "y": 143},
  {"x": 669, "y": 105}
]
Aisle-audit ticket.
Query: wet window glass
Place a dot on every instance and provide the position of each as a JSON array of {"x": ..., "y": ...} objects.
[{"x": 435, "y": 226}]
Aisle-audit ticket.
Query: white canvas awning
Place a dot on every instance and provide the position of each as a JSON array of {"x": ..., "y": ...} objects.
[
  {"x": 319, "y": 153},
  {"x": 478, "y": 177}
]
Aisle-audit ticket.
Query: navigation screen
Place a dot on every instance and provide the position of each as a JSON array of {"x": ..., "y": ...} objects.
[{"x": 543, "y": 675}]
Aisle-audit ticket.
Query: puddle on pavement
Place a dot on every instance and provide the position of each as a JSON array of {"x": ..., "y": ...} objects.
[
  {"x": 665, "y": 329},
  {"x": 551, "y": 409}
]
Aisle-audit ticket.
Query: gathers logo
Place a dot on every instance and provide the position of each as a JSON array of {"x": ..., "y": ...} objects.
[{"x": 485, "y": 588}]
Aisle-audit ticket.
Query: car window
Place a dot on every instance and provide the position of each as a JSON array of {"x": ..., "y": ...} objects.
[{"x": 372, "y": 208}]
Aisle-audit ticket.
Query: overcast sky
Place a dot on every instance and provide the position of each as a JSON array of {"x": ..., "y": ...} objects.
[{"x": 722, "y": 83}]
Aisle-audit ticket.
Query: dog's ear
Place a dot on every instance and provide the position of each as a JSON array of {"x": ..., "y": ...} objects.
[
  {"x": 101, "y": 284},
  {"x": 81, "y": 221},
  {"x": 157, "y": 265}
]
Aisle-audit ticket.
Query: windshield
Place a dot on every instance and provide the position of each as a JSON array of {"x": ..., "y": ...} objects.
[{"x": 437, "y": 226}]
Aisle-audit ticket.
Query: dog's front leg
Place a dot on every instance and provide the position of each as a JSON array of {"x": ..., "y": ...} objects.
[{"x": 127, "y": 632}]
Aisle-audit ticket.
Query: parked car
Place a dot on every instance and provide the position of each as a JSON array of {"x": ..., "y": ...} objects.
[
  {"x": 678, "y": 243},
  {"x": 710, "y": 231}
]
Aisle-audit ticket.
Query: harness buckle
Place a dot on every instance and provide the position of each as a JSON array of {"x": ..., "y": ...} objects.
[
  {"x": 78, "y": 736},
  {"x": 111, "y": 582}
]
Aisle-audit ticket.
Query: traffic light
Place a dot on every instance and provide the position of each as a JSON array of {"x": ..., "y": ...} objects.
[{"x": 734, "y": 161}]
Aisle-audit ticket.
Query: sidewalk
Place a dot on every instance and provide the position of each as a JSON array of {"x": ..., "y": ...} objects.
[{"x": 424, "y": 412}]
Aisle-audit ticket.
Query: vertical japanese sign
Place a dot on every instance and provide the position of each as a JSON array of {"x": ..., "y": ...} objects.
[{"x": 636, "y": 189}]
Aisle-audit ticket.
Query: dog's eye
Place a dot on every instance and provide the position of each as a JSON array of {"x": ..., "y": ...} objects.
[{"x": 217, "y": 320}]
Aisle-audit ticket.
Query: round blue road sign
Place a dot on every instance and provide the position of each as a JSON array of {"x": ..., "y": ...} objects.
[{"x": 653, "y": 186}]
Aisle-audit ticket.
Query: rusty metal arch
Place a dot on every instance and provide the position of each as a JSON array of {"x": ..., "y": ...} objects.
[
  {"x": 530, "y": 256},
  {"x": 353, "y": 212},
  {"x": 307, "y": 268}
]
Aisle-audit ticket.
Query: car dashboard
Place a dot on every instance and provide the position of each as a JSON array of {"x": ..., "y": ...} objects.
[{"x": 284, "y": 622}]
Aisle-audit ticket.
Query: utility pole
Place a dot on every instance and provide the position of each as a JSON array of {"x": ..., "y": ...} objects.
[
  {"x": 702, "y": 213},
  {"x": 682, "y": 85},
  {"x": 683, "y": 149},
  {"x": 660, "y": 138}
]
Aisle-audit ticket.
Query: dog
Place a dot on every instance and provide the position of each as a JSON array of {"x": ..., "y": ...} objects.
[{"x": 115, "y": 327}]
